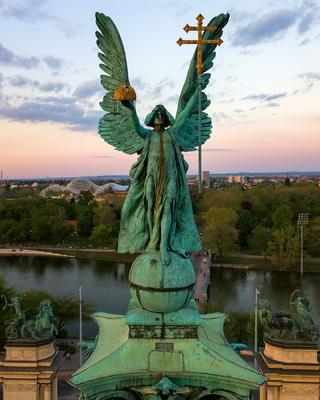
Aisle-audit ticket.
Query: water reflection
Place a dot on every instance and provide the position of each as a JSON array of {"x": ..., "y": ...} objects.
[
  {"x": 105, "y": 284},
  {"x": 235, "y": 289}
]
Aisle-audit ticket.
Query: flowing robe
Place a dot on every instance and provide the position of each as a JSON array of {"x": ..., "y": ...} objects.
[{"x": 160, "y": 169}]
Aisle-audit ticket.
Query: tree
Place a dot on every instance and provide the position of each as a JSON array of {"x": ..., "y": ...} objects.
[
  {"x": 66, "y": 308},
  {"x": 85, "y": 219},
  {"x": 282, "y": 216},
  {"x": 104, "y": 215},
  {"x": 313, "y": 236},
  {"x": 102, "y": 235},
  {"x": 85, "y": 198},
  {"x": 40, "y": 229},
  {"x": 258, "y": 241},
  {"x": 287, "y": 181},
  {"x": 245, "y": 224},
  {"x": 220, "y": 233},
  {"x": 284, "y": 247},
  {"x": 5, "y": 226}
]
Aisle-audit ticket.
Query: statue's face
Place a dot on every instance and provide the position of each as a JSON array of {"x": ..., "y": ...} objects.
[{"x": 159, "y": 116}]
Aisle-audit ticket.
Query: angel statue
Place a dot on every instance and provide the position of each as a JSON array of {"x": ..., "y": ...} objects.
[{"x": 157, "y": 213}]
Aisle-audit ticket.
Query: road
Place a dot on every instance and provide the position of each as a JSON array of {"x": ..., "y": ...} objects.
[{"x": 203, "y": 278}]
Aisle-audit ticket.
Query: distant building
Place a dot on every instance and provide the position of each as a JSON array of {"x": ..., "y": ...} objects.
[
  {"x": 236, "y": 179},
  {"x": 192, "y": 182},
  {"x": 206, "y": 177},
  {"x": 239, "y": 179},
  {"x": 78, "y": 185}
]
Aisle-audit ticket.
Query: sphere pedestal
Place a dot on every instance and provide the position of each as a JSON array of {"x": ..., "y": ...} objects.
[
  {"x": 161, "y": 288},
  {"x": 163, "y": 348}
]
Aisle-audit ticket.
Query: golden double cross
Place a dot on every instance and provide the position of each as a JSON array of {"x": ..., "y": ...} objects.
[{"x": 200, "y": 28}]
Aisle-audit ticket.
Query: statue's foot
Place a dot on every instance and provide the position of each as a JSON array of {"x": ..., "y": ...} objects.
[{"x": 165, "y": 258}]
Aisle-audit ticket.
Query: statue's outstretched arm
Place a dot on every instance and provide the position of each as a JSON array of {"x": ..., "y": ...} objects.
[
  {"x": 141, "y": 131},
  {"x": 120, "y": 126}
]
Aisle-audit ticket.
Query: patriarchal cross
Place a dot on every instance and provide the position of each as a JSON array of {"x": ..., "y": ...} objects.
[{"x": 200, "y": 28}]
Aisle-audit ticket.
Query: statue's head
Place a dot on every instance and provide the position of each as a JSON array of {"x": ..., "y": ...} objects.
[
  {"x": 45, "y": 304},
  {"x": 159, "y": 116}
]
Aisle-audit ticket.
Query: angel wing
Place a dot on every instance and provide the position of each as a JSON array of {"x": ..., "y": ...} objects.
[
  {"x": 186, "y": 126},
  {"x": 122, "y": 128}
]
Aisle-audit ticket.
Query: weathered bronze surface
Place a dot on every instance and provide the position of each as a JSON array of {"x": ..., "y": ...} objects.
[
  {"x": 162, "y": 348},
  {"x": 294, "y": 326},
  {"x": 41, "y": 325}
]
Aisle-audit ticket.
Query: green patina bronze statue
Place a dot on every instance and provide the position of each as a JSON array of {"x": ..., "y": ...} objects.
[
  {"x": 157, "y": 213},
  {"x": 40, "y": 326},
  {"x": 162, "y": 348},
  {"x": 296, "y": 325}
]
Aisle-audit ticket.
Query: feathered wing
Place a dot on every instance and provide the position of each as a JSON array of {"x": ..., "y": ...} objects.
[
  {"x": 120, "y": 127},
  {"x": 187, "y": 118}
]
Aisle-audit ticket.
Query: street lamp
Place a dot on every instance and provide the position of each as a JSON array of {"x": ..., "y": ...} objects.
[
  {"x": 80, "y": 325},
  {"x": 302, "y": 221},
  {"x": 256, "y": 294}
]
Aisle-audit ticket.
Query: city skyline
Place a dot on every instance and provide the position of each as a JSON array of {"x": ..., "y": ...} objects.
[{"x": 264, "y": 87}]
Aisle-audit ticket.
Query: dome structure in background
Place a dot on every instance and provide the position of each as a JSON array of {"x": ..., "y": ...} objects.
[{"x": 78, "y": 185}]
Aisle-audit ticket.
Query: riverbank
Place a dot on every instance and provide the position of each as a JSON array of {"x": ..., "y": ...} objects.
[
  {"x": 262, "y": 263},
  {"x": 30, "y": 252},
  {"x": 86, "y": 253},
  {"x": 243, "y": 261}
]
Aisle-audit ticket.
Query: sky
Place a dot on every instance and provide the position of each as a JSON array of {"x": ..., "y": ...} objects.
[{"x": 264, "y": 87}]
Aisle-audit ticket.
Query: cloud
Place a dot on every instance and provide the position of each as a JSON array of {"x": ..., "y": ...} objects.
[
  {"x": 265, "y": 97},
  {"x": 275, "y": 23},
  {"x": 310, "y": 76},
  {"x": 173, "y": 99},
  {"x": 54, "y": 63},
  {"x": 9, "y": 58},
  {"x": 63, "y": 110},
  {"x": 52, "y": 86},
  {"x": 219, "y": 116},
  {"x": 265, "y": 28},
  {"x": 25, "y": 10},
  {"x": 160, "y": 87},
  {"x": 227, "y": 100},
  {"x": 32, "y": 10},
  {"x": 272, "y": 105},
  {"x": 88, "y": 89},
  {"x": 179, "y": 9},
  {"x": 138, "y": 83},
  {"x": 22, "y": 81},
  {"x": 306, "y": 22}
]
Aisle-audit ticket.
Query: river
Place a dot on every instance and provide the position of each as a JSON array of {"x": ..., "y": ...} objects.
[{"x": 105, "y": 284}]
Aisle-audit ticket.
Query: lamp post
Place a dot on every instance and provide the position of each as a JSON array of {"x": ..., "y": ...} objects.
[
  {"x": 303, "y": 219},
  {"x": 80, "y": 325},
  {"x": 256, "y": 294}
]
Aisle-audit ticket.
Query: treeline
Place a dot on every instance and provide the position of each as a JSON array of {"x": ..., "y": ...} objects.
[
  {"x": 58, "y": 221},
  {"x": 260, "y": 221}
]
